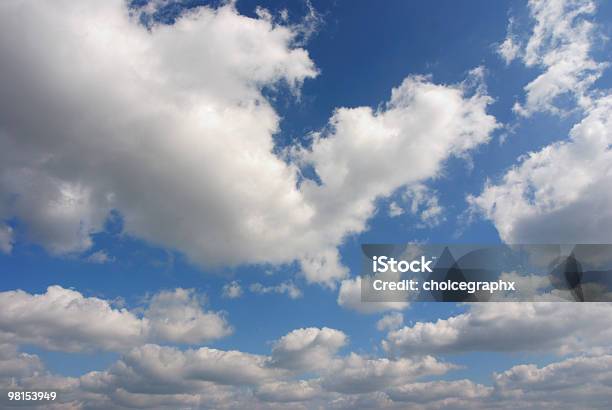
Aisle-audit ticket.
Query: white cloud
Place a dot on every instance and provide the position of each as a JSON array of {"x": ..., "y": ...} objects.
[
  {"x": 204, "y": 138},
  {"x": 556, "y": 195},
  {"x": 100, "y": 257},
  {"x": 571, "y": 383},
  {"x": 285, "y": 392},
  {"x": 152, "y": 376},
  {"x": 446, "y": 393},
  {"x": 64, "y": 319},
  {"x": 16, "y": 364},
  {"x": 510, "y": 48},
  {"x": 358, "y": 159},
  {"x": 395, "y": 209},
  {"x": 308, "y": 348},
  {"x": 154, "y": 371},
  {"x": 560, "y": 44},
  {"x": 424, "y": 204},
  {"x": 199, "y": 365},
  {"x": 287, "y": 287},
  {"x": 357, "y": 374},
  {"x": 553, "y": 195},
  {"x": 349, "y": 297},
  {"x": 232, "y": 290},
  {"x": 540, "y": 326},
  {"x": 374, "y": 400},
  {"x": 177, "y": 316},
  {"x": 6, "y": 239},
  {"x": 309, "y": 25},
  {"x": 390, "y": 321}
]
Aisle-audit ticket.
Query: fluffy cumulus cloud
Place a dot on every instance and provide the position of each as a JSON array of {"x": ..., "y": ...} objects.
[
  {"x": 64, "y": 319},
  {"x": 304, "y": 367},
  {"x": 236, "y": 377},
  {"x": 146, "y": 377},
  {"x": 16, "y": 364},
  {"x": 360, "y": 157},
  {"x": 561, "y": 44},
  {"x": 556, "y": 194},
  {"x": 390, "y": 321},
  {"x": 542, "y": 326},
  {"x": 177, "y": 316},
  {"x": 442, "y": 394},
  {"x": 358, "y": 374},
  {"x": 153, "y": 376},
  {"x": 181, "y": 167},
  {"x": 78, "y": 142},
  {"x": 288, "y": 392},
  {"x": 164, "y": 364},
  {"x": 307, "y": 349},
  {"x": 562, "y": 384}
]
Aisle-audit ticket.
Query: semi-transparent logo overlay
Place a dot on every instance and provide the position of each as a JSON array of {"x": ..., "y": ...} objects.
[{"x": 484, "y": 273}]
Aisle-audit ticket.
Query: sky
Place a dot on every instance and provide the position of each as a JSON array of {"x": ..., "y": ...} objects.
[{"x": 185, "y": 187}]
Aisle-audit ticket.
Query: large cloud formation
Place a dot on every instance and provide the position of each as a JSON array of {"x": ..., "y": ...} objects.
[
  {"x": 169, "y": 126},
  {"x": 558, "y": 194},
  {"x": 152, "y": 376},
  {"x": 64, "y": 319},
  {"x": 306, "y": 367}
]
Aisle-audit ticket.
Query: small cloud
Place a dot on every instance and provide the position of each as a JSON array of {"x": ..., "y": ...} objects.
[
  {"x": 310, "y": 24},
  {"x": 286, "y": 287},
  {"x": 421, "y": 202},
  {"x": 232, "y": 290},
  {"x": 392, "y": 321},
  {"x": 6, "y": 239},
  {"x": 395, "y": 209},
  {"x": 510, "y": 49},
  {"x": 100, "y": 257}
]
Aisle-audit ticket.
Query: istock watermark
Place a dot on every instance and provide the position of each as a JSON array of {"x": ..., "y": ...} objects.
[
  {"x": 385, "y": 264},
  {"x": 481, "y": 273}
]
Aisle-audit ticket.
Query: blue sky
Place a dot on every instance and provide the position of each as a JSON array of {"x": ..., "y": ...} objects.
[{"x": 126, "y": 253}]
